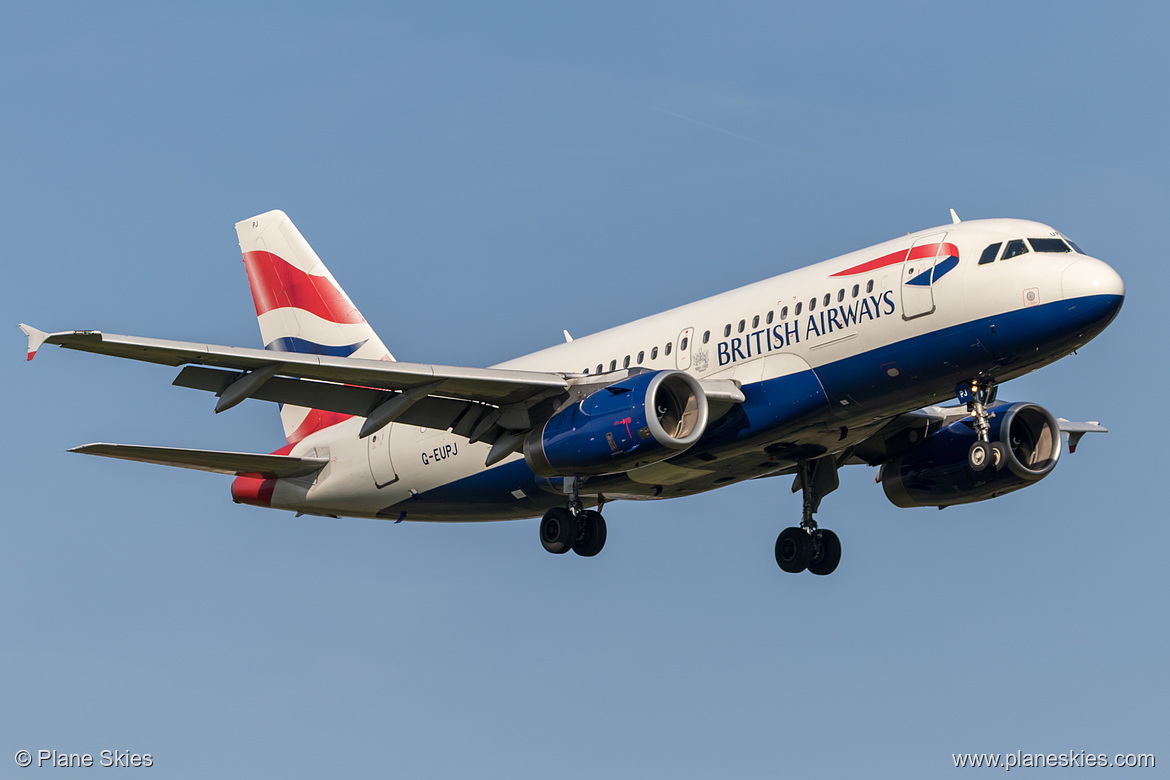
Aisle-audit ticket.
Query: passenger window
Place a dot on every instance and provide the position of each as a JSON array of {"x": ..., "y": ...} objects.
[
  {"x": 599, "y": 367},
  {"x": 828, "y": 297},
  {"x": 841, "y": 295},
  {"x": 856, "y": 290},
  {"x": 1048, "y": 245},
  {"x": 683, "y": 344},
  {"x": 755, "y": 322},
  {"x": 586, "y": 370},
  {"x": 654, "y": 353},
  {"x": 869, "y": 286},
  {"x": 797, "y": 312},
  {"x": 641, "y": 357},
  {"x": 706, "y": 337},
  {"x": 989, "y": 253},
  {"x": 812, "y": 305},
  {"x": 1015, "y": 249},
  {"x": 784, "y": 313},
  {"x": 742, "y": 324},
  {"x": 668, "y": 346},
  {"x": 626, "y": 362},
  {"x": 613, "y": 365},
  {"x": 769, "y": 320},
  {"x": 726, "y": 331}
]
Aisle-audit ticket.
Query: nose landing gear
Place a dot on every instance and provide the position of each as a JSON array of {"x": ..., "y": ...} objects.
[{"x": 978, "y": 395}]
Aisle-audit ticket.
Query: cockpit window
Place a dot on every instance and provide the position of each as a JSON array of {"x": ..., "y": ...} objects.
[
  {"x": 1048, "y": 245},
  {"x": 989, "y": 253},
  {"x": 1076, "y": 248},
  {"x": 1014, "y": 248}
]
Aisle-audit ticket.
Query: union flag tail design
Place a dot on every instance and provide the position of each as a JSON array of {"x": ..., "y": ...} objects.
[{"x": 301, "y": 307}]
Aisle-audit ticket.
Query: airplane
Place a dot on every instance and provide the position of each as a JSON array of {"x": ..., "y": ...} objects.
[{"x": 848, "y": 361}]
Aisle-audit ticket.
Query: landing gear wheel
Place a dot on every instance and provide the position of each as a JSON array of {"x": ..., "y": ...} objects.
[
  {"x": 558, "y": 530},
  {"x": 592, "y": 537},
  {"x": 794, "y": 549},
  {"x": 999, "y": 455},
  {"x": 827, "y": 553},
  {"x": 979, "y": 456}
]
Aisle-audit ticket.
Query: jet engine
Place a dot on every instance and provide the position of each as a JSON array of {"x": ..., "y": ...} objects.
[
  {"x": 935, "y": 472},
  {"x": 640, "y": 420}
]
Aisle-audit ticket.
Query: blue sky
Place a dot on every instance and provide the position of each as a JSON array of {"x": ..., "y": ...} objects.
[{"x": 478, "y": 177}]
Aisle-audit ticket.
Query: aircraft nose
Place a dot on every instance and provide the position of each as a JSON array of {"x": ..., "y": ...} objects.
[{"x": 1088, "y": 277}]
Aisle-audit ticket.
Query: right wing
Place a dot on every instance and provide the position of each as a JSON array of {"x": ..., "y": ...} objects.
[{"x": 891, "y": 438}]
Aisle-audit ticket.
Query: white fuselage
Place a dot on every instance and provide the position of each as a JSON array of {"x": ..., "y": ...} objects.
[{"x": 877, "y": 343}]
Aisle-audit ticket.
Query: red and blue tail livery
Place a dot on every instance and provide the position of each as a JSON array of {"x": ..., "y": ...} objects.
[{"x": 300, "y": 307}]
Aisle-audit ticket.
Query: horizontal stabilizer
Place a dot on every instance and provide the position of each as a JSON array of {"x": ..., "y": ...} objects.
[{"x": 268, "y": 466}]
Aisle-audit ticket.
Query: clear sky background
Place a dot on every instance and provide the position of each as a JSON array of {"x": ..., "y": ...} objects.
[{"x": 479, "y": 176}]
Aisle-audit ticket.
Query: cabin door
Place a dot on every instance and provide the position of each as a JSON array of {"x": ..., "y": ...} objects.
[
  {"x": 381, "y": 467},
  {"x": 918, "y": 276}
]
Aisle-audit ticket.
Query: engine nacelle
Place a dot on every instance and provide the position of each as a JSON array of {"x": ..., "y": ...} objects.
[
  {"x": 635, "y": 422},
  {"x": 935, "y": 472}
]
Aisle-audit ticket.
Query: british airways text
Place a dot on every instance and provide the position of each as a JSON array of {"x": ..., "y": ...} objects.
[{"x": 814, "y": 325}]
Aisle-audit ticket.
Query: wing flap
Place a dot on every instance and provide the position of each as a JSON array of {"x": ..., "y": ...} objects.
[
  {"x": 218, "y": 461},
  {"x": 429, "y": 412}
]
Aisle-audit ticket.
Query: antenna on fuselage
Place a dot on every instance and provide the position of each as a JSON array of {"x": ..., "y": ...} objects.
[{"x": 955, "y": 217}]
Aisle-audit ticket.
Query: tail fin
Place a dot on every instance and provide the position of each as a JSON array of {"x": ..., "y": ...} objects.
[{"x": 301, "y": 307}]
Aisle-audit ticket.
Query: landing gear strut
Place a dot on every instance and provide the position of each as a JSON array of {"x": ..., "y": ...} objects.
[
  {"x": 573, "y": 527},
  {"x": 807, "y": 546},
  {"x": 979, "y": 394}
]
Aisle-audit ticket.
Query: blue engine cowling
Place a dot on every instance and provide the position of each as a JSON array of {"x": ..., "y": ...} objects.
[
  {"x": 635, "y": 422},
  {"x": 935, "y": 472}
]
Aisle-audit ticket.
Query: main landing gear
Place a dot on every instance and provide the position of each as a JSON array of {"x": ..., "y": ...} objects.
[
  {"x": 979, "y": 394},
  {"x": 807, "y": 546},
  {"x": 573, "y": 527}
]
